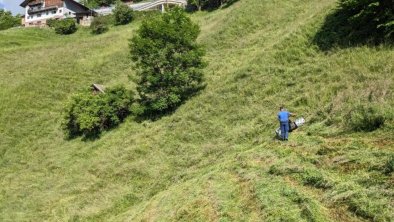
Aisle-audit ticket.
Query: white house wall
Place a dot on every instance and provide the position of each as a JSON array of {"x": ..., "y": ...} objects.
[{"x": 44, "y": 16}]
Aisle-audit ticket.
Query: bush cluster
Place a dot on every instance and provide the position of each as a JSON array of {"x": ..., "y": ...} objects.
[
  {"x": 89, "y": 113},
  {"x": 365, "y": 118},
  {"x": 123, "y": 14},
  {"x": 7, "y": 20},
  {"x": 170, "y": 70},
  {"x": 64, "y": 26},
  {"x": 99, "y": 25},
  {"x": 98, "y": 3},
  {"x": 208, "y": 4}
]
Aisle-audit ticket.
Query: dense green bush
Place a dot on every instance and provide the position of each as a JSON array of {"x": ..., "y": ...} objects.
[
  {"x": 51, "y": 23},
  {"x": 99, "y": 25},
  {"x": 89, "y": 114},
  {"x": 98, "y": 3},
  {"x": 357, "y": 22},
  {"x": 208, "y": 4},
  {"x": 64, "y": 26},
  {"x": 370, "y": 17},
  {"x": 169, "y": 61},
  {"x": 364, "y": 118},
  {"x": 7, "y": 20},
  {"x": 123, "y": 14}
]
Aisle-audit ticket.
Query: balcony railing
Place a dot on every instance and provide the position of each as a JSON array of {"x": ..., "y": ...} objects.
[{"x": 40, "y": 9}]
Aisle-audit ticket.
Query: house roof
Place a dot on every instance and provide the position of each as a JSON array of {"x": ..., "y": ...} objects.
[{"x": 26, "y": 2}]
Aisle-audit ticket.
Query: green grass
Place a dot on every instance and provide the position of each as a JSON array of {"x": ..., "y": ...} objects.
[{"x": 215, "y": 158}]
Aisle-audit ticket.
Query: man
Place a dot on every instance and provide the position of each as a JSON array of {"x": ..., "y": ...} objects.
[{"x": 283, "y": 117}]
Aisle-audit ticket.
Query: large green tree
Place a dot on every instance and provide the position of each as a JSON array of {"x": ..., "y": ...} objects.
[
  {"x": 169, "y": 61},
  {"x": 7, "y": 20}
]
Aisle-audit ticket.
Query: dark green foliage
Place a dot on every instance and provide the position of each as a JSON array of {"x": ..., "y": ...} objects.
[
  {"x": 123, "y": 14},
  {"x": 89, "y": 113},
  {"x": 64, "y": 26},
  {"x": 99, "y": 25},
  {"x": 364, "y": 118},
  {"x": 7, "y": 20},
  {"x": 370, "y": 17},
  {"x": 97, "y": 3},
  {"x": 358, "y": 22},
  {"x": 169, "y": 61},
  {"x": 51, "y": 23},
  {"x": 209, "y": 4}
]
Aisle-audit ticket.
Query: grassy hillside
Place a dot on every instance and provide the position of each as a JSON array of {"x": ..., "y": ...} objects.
[{"x": 215, "y": 158}]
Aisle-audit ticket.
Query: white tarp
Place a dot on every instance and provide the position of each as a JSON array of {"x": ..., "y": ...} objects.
[{"x": 298, "y": 122}]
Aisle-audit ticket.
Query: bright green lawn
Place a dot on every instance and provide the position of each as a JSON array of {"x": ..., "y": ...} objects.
[{"x": 215, "y": 158}]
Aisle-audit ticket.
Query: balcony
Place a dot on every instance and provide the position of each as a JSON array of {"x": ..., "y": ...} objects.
[{"x": 40, "y": 9}]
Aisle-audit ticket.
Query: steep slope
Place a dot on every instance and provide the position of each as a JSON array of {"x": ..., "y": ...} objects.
[{"x": 215, "y": 158}]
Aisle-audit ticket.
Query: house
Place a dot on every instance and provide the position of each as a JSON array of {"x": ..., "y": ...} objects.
[
  {"x": 144, "y": 6},
  {"x": 37, "y": 12}
]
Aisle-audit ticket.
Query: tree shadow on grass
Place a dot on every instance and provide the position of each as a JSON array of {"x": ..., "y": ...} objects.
[
  {"x": 229, "y": 3},
  {"x": 211, "y": 7},
  {"x": 338, "y": 32}
]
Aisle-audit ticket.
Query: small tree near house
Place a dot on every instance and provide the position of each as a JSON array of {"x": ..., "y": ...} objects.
[
  {"x": 169, "y": 61},
  {"x": 123, "y": 14}
]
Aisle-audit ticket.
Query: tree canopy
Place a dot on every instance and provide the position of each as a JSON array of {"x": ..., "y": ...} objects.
[
  {"x": 7, "y": 20},
  {"x": 169, "y": 61}
]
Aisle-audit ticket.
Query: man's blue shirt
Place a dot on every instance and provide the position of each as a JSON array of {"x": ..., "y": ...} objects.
[{"x": 283, "y": 116}]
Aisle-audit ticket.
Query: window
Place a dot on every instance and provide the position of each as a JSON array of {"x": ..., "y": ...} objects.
[
  {"x": 38, "y": 15},
  {"x": 69, "y": 13},
  {"x": 47, "y": 13},
  {"x": 53, "y": 12},
  {"x": 60, "y": 11}
]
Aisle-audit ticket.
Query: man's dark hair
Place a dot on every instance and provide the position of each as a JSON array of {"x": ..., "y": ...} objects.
[{"x": 281, "y": 107}]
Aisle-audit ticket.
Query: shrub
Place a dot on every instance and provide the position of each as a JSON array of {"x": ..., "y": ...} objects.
[
  {"x": 370, "y": 17},
  {"x": 89, "y": 114},
  {"x": 169, "y": 61},
  {"x": 123, "y": 14},
  {"x": 65, "y": 26},
  {"x": 364, "y": 118},
  {"x": 99, "y": 25},
  {"x": 7, "y": 20},
  {"x": 209, "y": 4},
  {"x": 51, "y": 23}
]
